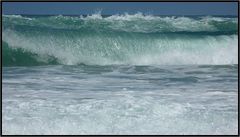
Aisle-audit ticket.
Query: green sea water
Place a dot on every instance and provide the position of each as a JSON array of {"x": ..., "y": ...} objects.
[
  {"x": 118, "y": 39},
  {"x": 120, "y": 74}
]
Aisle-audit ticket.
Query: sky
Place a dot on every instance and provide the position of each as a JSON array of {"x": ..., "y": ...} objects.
[{"x": 110, "y": 8}]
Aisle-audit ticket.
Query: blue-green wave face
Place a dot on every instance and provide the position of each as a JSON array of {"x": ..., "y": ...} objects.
[{"x": 119, "y": 39}]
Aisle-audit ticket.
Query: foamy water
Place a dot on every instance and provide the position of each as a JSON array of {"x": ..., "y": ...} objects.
[
  {"x": 120, "y": 100},
  {"x": 120, "y": 74}
]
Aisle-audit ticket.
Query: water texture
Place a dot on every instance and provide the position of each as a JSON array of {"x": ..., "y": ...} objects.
[{"x": 120, "y": 74}]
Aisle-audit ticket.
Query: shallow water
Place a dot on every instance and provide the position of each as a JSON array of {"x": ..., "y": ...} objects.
[
  {"x": 120, "y": 99},
  {"x": 120, "y": 74}
]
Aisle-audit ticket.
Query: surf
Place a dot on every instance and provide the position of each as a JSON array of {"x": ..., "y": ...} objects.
[{"x": 119, "y": 40}]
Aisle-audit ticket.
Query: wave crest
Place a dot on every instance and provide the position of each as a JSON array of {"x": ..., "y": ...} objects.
[{"x": 126, "y": 22}]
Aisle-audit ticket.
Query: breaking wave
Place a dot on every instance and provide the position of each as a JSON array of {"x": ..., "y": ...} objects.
[{"x": 119, "y": 39}]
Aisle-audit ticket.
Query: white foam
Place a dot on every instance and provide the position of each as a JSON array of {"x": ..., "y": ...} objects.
[
  {"x": 125, "y": 114},
  {"x": 118, "y": 100}
]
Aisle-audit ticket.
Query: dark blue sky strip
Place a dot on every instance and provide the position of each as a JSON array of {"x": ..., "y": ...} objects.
[{"x": 108, "y": 8}]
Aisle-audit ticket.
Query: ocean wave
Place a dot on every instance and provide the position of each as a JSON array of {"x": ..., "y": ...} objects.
[
  {"x": 73, "y": 48},
  {"x": 126, "y": 22}
]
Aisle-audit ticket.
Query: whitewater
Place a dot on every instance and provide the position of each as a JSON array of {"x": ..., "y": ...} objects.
[
  {"x": 119, "y": 74},
  {"x": 119, "y": 39}
]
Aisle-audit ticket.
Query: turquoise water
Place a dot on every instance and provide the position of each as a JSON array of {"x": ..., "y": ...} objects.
[
  {"x": 118, "y": 39},
  {"x": 119, "y": 74}
]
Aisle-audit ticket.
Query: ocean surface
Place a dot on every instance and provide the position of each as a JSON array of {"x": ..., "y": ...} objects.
[{"x": 119, "y": 74}]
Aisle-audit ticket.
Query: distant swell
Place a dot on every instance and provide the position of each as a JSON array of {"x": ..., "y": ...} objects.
[{"x": 119, "y": 39}]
